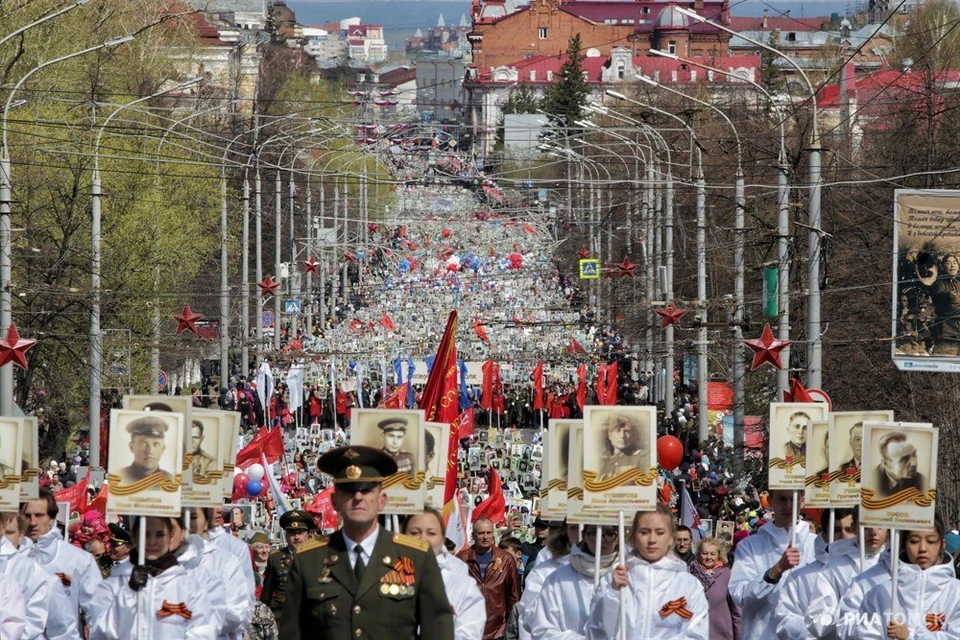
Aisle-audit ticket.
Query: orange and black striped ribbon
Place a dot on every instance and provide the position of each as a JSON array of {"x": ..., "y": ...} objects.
[
  {"x": 679, "y": 607},
  {"x": 167, "y": 610}
]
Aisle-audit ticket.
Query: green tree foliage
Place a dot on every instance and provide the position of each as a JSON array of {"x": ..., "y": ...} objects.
[
  {"x": 564, "y": 100},
  {"x": 771, "y": 75},
  {"x": 523, "y": 99}
]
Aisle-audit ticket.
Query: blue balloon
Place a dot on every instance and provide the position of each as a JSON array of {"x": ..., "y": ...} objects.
[{"x": 254, "y": 488}]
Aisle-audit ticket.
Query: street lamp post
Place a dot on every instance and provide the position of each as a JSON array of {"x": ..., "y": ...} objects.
[
  {"x": 815, "y": 344},
  {"x": 96, "y": 338},
  {"x": 701, "y": 215},
  {"x": 738, "y": 369},
  {"x": 6, "y": 300},
  {"x": 783, "y": 219}
]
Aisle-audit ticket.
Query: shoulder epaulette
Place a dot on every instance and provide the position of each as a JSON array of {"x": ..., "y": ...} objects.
[
  {"x": 309, "y": 545},
  {"x": 410, "y": 541}
]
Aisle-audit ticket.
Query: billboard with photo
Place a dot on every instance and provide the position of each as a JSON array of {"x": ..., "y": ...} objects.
[{"x": 926, "y": 273}]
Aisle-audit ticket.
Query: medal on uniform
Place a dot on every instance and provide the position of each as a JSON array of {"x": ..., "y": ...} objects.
[
  {"x": 324, "y": 576},
  {"x": 394, "y": 589},
  {"x": 384, "y": 589}
]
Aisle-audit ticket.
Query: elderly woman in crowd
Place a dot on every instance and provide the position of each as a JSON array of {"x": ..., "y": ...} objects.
[{"x": 710, "y": 568}]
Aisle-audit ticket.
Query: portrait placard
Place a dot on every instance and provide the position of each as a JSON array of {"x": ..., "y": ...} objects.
[
  {"x": 817, "y": 491},
  {"x": 436, "y": 444},
  {"x": 30, "y": 465},
  {"x": 575, "y": 511},
  {"x": 11, "y": 461},
  {"x": 846, "y": 430},
  {"x": 899, "y": 475},
  {"x": 926, "y": 261},
  {"x": 146, "y": 457},
  {"x": 725, "y": 529},
  {"x": 229, "y": 443},
  {"x": 400, "y": 434},
  {"x": 789, "y": 422},
  {"x": 553, "y": 501},
  {"x": 203, "y": 455},
  {"x": 620, "y": 467},
  {"x": 240, "y": 518}
]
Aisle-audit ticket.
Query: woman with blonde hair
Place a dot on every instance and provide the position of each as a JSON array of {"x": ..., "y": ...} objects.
[
  {"x": 710, "y": 568},
  {"x": 662, "y": 600}
]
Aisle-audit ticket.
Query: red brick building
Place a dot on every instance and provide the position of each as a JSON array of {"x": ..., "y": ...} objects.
[{"x": 545, "y": 27}]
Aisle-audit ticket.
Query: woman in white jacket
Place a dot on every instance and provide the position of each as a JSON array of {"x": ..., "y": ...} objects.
[
  {"x": 662, "y": 599},
  {"x": 928, "y": 594},
  {"x": 562, "y": 607},
  {"x": 155, "y": 600},
  {"x": 469, "y": 607}
]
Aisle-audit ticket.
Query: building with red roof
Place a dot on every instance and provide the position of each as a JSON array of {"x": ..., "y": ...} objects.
[
  {"x": 487, "y": 88},
  {"x": 503, "y": 33}
]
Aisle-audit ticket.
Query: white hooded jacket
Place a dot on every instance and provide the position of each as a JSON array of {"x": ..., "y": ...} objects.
[
  {"x": 13, "y": 620},
  {"x": 928, "y": 600},
  {"x": 860, "y": 586},
  {"x": 756, "y": 597},
  {"x": 531, "y": 591},
  {"x": 650, "y": 588},
  {"x": 48, "y": 609},
  {"x": 562, "y": 607},
  {"x": 80, "y": 575},
  {"x": 797, "y": 592},
  {"x": 126, "y": 613},
  {"x": 469, "y": 606},
  {"x": 239, "y": 550},
  {"x": 832, "y": 583}
]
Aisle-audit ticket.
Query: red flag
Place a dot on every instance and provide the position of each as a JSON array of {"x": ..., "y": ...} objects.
[
  {"x": 100, "y": 502},
  {"x": 495, "y": 506},
  {"x": 611, "y": 395},
  {"x": 574, "y": 346},
  {"x": 440, "y": 403},
  {"x": 797, "y": 393},
  {"x": 397, "y": 399},
  {"x": 481, "y": 333},
  {"x": 498, "y": 402},
  {"x": 387, "y": 322},
  {"x": 75, "y": 495},
  {"x": 486, "y": 390},
  {"x": 582, "y": 386},
  {"x": 601, "y": 386},
  {"x": 355, "y": 325},
  {"x": 466, "y": 424},
  {"x": 268, "y": 442},
  {"x": 538, "y": 387}
]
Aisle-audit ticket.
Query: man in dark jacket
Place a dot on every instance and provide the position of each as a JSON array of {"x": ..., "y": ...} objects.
[{"x": 495, "y": 572}]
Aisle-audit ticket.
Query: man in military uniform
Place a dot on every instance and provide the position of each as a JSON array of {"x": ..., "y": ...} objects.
[
  {"x": 622, "y": 447},
  {"x": 119, "y": 544},
  {"x": 200, "y": 460},
  {"x": 394, "y": 431},
  {"x": 296, "y": 526},
  {"x": 364, "y": 582},
  {"x": 147, "y": 445}
]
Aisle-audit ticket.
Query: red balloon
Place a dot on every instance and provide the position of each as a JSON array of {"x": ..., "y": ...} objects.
[
  {"x": 240, "y": 482},
  {"x": 669, "y": 452}
]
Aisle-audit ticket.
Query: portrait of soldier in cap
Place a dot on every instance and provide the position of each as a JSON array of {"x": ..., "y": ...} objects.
[
  {"x": 201, "y": 461},
  {"x": 394, "y": 432},
  {"x": 147, "y": 444}
]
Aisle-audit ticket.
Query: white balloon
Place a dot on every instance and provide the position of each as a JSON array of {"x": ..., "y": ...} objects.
[{"x": 255, "y": 471}]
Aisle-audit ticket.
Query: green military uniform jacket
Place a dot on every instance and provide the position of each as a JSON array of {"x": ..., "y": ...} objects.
[
  {"x": 275, "y": 578},
  {"x": 401, "y": 592}
]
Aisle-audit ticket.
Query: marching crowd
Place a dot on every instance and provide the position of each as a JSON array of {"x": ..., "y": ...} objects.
[{"x": 200, "y": 579}]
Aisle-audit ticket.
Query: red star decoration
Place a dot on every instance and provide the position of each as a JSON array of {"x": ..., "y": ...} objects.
[
  {"x": 797, "y": 393},
  {"x": 670, "y": 314},
  {"x": 311, "y": 266},
  {"x": 766, "y": 349},
  {"x": 268, "y": 287},
  {"x": 187, "y": 321},
  {"x": 584, "y": 254},
  {"x": 13, "y": 349},
  {"x": 626, "y": 268}
]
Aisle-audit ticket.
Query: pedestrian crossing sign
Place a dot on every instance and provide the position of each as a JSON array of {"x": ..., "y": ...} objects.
[{"x": 589, "y": 269}]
